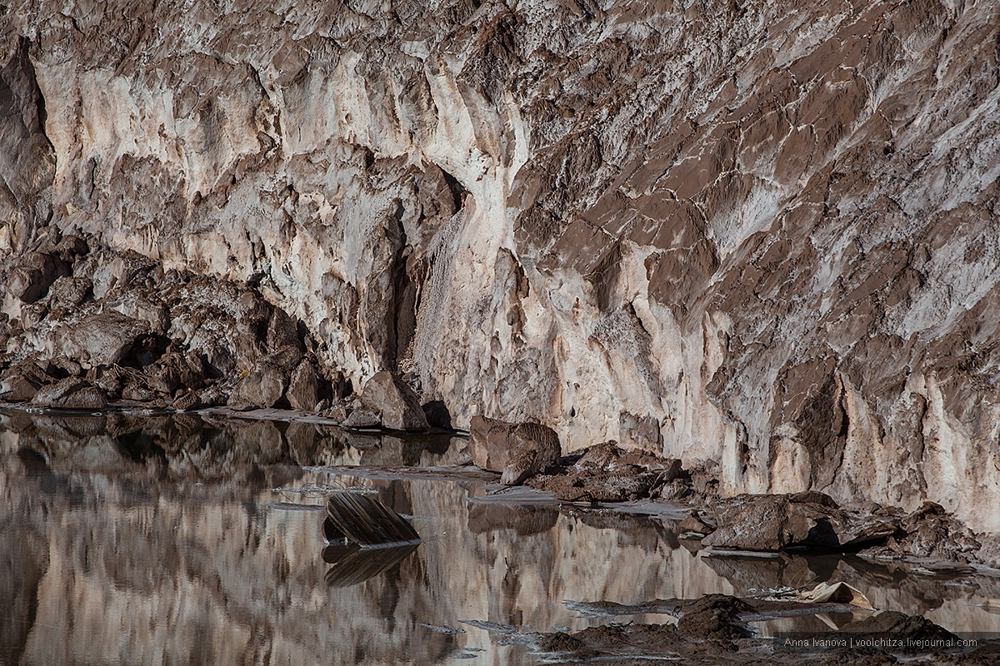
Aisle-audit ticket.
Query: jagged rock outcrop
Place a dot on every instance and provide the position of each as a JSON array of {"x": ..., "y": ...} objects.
[{"x": 756, "y": 233}]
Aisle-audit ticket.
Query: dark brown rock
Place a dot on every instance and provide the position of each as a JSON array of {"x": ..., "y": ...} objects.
[
  {"x": 176, "y": 370},
  {"x": 693, "y": 524},
  {"x": 15, "y": 387},
  {"x": 187, "y": 401},
  {"x": 714, "y": 616},
  {"x": 517, "y": 450},
  {"x": 69, "y": 292},
  {"x": 776, "y": 522},
  {"x": 261, "y": 388},
  {"x": 395, "y": 402},
  {"x": 607, "y": 473},
  {"x": 33, "y": 275}
]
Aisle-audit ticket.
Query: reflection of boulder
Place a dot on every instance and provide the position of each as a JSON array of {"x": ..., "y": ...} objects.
[
  {"x": 353, "y": 564},
  {"x": 525, "y": 520},
  {"x": 755, "y": 573}
]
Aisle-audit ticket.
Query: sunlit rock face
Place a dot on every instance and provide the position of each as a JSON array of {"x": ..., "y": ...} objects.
[{"x": 757, "y": 233}]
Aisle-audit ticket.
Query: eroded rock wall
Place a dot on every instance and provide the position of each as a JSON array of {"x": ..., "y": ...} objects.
[{"x": 760, "y": 233}]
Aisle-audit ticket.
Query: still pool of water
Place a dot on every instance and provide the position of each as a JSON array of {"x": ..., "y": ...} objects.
[{"x": 182, "y": 540}]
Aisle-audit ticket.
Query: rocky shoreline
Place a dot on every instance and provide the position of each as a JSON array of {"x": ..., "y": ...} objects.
[
  {"x": 96, "y": 328},
  {"x": 100, "y": 329},
  {"x": 246, "y": 452}
]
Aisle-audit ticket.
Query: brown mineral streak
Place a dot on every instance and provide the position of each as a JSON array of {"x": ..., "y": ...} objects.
[{"x": 767, "y": 233}]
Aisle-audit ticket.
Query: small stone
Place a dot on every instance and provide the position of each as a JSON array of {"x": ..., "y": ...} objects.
[
  {"x": 363, "y": 418},
  {"x": 187, "y": 401},
  {"x": 102, "y": 339}
]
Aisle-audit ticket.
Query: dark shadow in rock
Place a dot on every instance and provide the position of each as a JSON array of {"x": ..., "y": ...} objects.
[
  {"x": 139, "y": 446},
  {"x": 437, "y": 414},
  {"x": 353, "y": 564}
]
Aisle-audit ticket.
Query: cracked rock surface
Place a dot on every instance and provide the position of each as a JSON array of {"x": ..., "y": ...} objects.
[{"x": 763, "y": 235}]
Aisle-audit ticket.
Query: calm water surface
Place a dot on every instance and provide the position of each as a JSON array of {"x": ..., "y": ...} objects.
[{"x": 183, "y": 540}]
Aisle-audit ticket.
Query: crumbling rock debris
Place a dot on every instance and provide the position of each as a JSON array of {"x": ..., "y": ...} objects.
[
  {"x": 146, "y": 336},
  {"x": 930, "y": 533},
  {"x": 516, "y": 450},
  {"x": 607, "y": 473}
]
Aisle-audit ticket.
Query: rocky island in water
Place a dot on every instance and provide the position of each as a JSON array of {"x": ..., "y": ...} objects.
[{"x": 670, "y": 327}]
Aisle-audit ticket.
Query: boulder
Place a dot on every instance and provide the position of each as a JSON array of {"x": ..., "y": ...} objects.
[
  {"x": 694, "y": 525},
  {"x": 101, "y": 339},
  {"x": 303, "y": 388},
  {"x": 187, "y": 401},
  {"x": 69, "y": 292},
  {"x": 262, "y": 388},
  {"x": 70, "y": 393},
  {"x": 21, "y": 382},
  {"x": 362, "y": 418},
  {"x": 17, "y": 388},
  {"x": 777, "y": 522},
  {"x": 397, "y": 405},
  {"x": 31, "y": 278},
  {"x": 516, "y": 450}
]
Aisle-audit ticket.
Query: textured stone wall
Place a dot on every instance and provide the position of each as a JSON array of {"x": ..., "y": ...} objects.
[{"x": 760, "y": 233}]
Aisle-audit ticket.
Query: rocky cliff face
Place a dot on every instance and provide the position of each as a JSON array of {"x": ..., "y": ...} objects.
[{"x": 759, "y": 233}]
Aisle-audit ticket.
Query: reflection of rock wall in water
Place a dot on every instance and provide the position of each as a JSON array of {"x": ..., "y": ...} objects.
[
  {"x": 128, "y": 561},
  {"x": 760, "y": 233}
]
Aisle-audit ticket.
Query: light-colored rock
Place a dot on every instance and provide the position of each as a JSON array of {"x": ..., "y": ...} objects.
[
  {"x": 394, "y": 401},
  {"x": 516, "y": 450},
  {"x": 102, "y": 339},
  {"x": 303, "y": 388}
]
